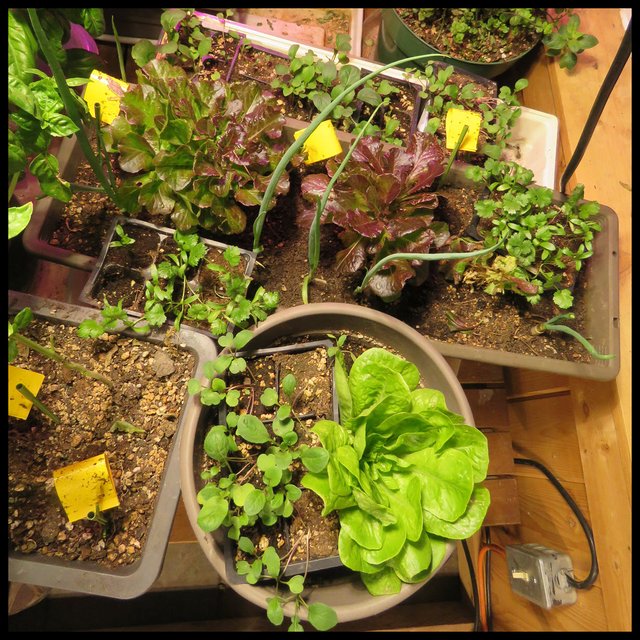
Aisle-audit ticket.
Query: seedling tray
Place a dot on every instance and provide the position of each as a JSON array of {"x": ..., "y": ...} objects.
[
  {"x": 298, "y": 567},
  {"x": 127, "y": 581},
  {"x": 114, "y": 267}
]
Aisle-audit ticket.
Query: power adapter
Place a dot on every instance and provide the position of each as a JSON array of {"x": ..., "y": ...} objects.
[{"x": 540, "y": 574}]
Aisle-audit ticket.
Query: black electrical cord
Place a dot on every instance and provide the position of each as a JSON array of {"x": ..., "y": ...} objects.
[
  {"x": 474, "y": 585},
  {"x": 593, "y": 574}
]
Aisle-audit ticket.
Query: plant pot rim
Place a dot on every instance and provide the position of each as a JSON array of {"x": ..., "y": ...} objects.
[
  {"x": 130, "y": 581},
  {"x": 348, "y": 596},
  {"x": 464, "y": 61}
]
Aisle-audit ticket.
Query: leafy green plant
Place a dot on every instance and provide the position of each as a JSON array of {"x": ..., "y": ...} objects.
[
  {"x": 554, "y": 325},
  {"x": 318, "y": 81},
  {"x": 198, "y": 150},
  {"x": 485, "y": 35},
  {"x": 185, "y": 44},
  {"x": 250, "y": 477},
  {"x": 123, "y": 240},
  {"x": 499, "y": 115},
  {"x": 403, "y": 473},
  {"x": 384, "y": 204},
  {"x": 545, "y": 243},
  {"x": 37, "y": 113},
  {"x": 170, "y": 294},
  {"x": 20, "y": 322}
]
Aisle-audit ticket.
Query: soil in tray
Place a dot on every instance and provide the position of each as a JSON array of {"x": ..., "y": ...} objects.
[
  {"x": 117, "y": 283},
  {"x": 501, "y": 322},
  {"x": 306, "y": 533},
  {"x": 149, "y": 392},
  {"x": 139, "y": 255}
]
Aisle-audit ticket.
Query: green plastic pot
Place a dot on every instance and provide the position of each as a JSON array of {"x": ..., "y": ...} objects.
[{"x": 397, "y": 41}]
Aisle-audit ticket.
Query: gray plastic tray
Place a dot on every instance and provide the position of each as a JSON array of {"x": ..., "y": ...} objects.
[
  {"x": 87, "y": 296},
  {"x": 90, "y": 577}
]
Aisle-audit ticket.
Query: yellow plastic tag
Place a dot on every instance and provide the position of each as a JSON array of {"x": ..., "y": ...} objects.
[
  {"x": 323, "y": 143},
  {"x": 106, "y": 91},
  {"x": 82, "y": 486},
  {"x": 456, "y": 119},
  {"x": 19, "y": 406}
]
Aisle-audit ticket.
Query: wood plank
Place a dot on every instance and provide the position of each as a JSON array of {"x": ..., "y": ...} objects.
[
  {"x": 607, "y": 474},
  {"x": 607, "y": 182},
  {"x": 544, "y": 429},
  {"x": 500, "y": 453},
  {"x": 505, "y": 506},
  {"x": 521, "y": 381},
  {"x": 181, "y": 531},
  {"x": 511, "y": 612},
  {"x": 489, "y": 407},
  {"x": 548, "y": 520},
  {"x": 482, "y": 373}
]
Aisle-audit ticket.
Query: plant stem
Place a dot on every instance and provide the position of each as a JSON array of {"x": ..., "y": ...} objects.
[
  {"x": 314, "y": 231},
  {"x": 455, "y": 150},
  {"x": 70, "y": 104},
  {"x": 315, "y": 123},
  {"x": 37, "y": 403},
  {"x": 425, "y": 257},
  {"x": 54, "y": 355},
  {"x": 13, "y": 183},
  {"x": 123, "y": 73},
  {"x": 550, "y": 325}
]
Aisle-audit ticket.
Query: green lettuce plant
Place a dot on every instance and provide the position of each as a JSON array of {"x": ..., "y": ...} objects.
[
  {"x": 197, "y": 150},
  {"x": 404, "y": 473}
]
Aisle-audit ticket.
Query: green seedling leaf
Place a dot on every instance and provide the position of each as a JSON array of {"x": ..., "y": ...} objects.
[
  {"x": 213, "y": 513},
  {"x": 321, "y": 616},
  {"x": 252, "y": 430},
  {"x": 289, "y": 385},
  {"x": 254, "y": 502},
  {"x": 295, "y": 584},
  {"x": 245, "y": 544},
  {"x": 269, "y": 397},
  {"x": 127, "y": 427},
  {"x": 275, "y": 612},
  {"x": 271, "y": 561}
]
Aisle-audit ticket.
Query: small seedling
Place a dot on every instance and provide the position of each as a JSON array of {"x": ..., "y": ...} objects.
[
  {"x": 552, "y": 325},
  {"x": 20, "y": 322},
  {"x": 123, "y": 240}
]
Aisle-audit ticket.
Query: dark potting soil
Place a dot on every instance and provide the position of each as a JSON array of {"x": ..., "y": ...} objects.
[
  {"x": 496, "y": 48},
  {"x": 149, "y": 390}
]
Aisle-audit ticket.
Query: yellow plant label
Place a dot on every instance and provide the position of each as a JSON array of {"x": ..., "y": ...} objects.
[
  {"x": 19, "y": 406},
  {"x": 106, "y": 91},
  {"x": 83, "y": 486},
  {"x": 322, "y": 144},
  {"x": 456, "y": 119}
]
